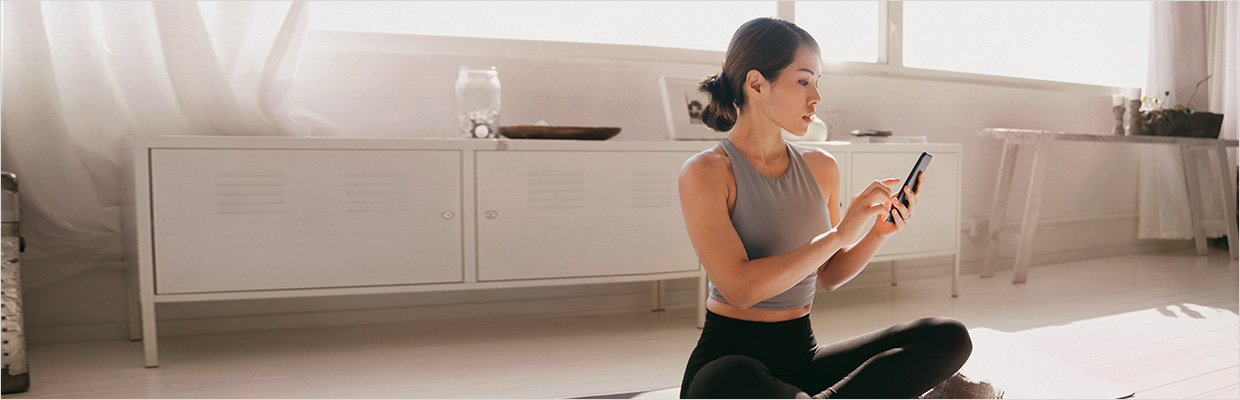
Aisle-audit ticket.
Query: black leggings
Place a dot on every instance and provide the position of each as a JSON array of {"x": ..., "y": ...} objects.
[{"x": 746, "y": 359}]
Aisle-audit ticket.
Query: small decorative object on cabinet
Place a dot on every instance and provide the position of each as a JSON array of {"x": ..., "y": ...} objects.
[
  {"x": 478, "y": 102},
  {"x": 683, "y": 104}
]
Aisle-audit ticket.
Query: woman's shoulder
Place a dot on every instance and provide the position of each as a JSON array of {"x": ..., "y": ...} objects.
[
  {"x": 712, "y": 162},
  {"x": 711, "y": 158},
  {"x": 816, "y": 157}
]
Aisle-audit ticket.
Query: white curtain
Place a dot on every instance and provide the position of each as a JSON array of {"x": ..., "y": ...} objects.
[
  {"x": 81, "y": 77},
  {"x": 1188, "y": 42}
]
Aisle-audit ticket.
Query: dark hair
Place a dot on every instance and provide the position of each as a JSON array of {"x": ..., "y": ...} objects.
[{"x": 765, "y": 44}]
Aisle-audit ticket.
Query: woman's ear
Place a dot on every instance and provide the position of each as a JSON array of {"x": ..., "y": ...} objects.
[{"x": 755, "y": 85}]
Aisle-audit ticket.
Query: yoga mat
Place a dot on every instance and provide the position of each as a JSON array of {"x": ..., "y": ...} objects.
[
  {"x": 1024, "y": 373},
  {"x": 1021, "y": 372}
]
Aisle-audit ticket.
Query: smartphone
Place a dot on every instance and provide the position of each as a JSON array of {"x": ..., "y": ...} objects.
[{"x": 915, "y": 178}]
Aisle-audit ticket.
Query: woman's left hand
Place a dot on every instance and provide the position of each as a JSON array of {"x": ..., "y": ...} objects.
[{"x": 902, "y": 214}]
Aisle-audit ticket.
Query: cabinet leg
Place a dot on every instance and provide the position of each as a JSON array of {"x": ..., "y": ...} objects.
[
  {"x": 893, "y": 272},
  {"x": 656, "y": 296},
  {"x": 955, "y": 275},
  {"x": 150, "y": 346},
  {"x": 998, "y": 206},
  {"x": 1193, "y": 187}
]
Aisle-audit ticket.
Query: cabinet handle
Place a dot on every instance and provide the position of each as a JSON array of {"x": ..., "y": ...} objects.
[
  {"x": 448, "y": 215},
  {"x": 492, "y": 214}
]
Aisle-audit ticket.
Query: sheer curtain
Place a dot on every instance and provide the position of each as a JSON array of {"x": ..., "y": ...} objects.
[
  {"x": 81, "y": 77},
  {"x": 1188, "y": 42}
]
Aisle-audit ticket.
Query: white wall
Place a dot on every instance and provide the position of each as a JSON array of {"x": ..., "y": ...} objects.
[{"x": 402, "y": 86}]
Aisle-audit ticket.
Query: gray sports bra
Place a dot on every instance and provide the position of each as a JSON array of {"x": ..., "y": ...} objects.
[{"x": 776, "y": 215}]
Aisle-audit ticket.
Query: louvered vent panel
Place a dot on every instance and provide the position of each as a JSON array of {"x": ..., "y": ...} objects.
[
  {"x": 377, "y": 192},
  {"x": 250, "y": 193},
  {"x": 653, "y": 189},
  {"x": 555, "y": 190}
]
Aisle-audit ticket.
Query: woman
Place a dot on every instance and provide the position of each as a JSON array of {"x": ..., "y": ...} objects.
[{"x": 764, "y": 218}]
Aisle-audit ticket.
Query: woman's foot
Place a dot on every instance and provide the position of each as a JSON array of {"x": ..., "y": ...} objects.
[{"x": 959, "y": 386}]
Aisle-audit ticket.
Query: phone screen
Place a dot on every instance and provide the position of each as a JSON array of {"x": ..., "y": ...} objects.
[{"x": 914, "y": 176}]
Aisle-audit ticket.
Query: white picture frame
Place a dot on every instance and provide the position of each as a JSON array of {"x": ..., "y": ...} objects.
[{"x": 682, "y": 105}]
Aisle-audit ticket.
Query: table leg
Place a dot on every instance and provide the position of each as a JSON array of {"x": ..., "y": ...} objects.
[
  {"x": 1033, "y": 205},
  {"x": 998, "y": 206},
  {"x": 1195, "y": 208},
  {"x": 1227, "y": 185}
]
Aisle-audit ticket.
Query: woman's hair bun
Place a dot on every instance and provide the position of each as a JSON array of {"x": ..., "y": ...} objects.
[
  {"x": 720, "y": 114},
  {"x": 711, "y": 84}
]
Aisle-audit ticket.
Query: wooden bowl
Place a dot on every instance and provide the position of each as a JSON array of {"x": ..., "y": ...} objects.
[{"x": 558, "y": 132}]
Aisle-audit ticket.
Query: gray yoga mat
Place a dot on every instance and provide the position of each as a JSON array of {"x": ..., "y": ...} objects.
[{"x": 1017, "y": 370}]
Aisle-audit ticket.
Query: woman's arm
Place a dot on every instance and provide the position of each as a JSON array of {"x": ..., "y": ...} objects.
[
  {"x": 826, "y": 170},
  {"x": 744, "y": 282},
  {"x": 831, "y": 192},
  {"x": 851, "y": 259}
]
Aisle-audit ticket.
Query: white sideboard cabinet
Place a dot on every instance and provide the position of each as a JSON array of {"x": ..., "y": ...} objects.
[
  {"x": 227, "y": 218},
  {"x": 556, "y": 214},
  {"x": 274, "y": 219}
]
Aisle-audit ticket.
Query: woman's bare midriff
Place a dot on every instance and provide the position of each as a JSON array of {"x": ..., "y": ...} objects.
[{"x": 754, "y": 314}]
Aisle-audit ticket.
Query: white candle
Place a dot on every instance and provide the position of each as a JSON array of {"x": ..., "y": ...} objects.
[
  {"x": 1117, "y": 99},
  {"x": 1134, "y": 94}
]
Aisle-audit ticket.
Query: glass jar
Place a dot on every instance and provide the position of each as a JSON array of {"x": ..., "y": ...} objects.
[{"x": 477, "y": 102}]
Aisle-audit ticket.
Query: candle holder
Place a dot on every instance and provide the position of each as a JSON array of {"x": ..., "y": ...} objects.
[
  {"x": 1132, "y": 123},
  {"x": 1118, "y": 112}
]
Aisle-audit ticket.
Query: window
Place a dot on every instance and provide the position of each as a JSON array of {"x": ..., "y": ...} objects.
[
  {"x": 1100, "y": 43},
  {"x": 845, "y": 30},
  {"x": 1092, "y": 42},
  {"x": 679, "y": 24}
]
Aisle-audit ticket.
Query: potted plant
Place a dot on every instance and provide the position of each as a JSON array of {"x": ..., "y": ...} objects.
[{"x": 1180, "y": 120}]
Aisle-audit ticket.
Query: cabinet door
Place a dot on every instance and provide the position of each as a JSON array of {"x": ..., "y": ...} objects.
[
  {"x": 237, "y": 219},
  {"x": 933, "y": 227},
  {"x": 577, "y": 214}
]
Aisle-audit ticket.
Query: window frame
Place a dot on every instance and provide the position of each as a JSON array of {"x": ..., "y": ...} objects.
[
  {"x": 891, "y": 59},
  {"x": 889, "y": 63}
]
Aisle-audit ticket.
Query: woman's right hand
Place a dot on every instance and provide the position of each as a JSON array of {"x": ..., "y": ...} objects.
[{"x": 875, "y": 199}]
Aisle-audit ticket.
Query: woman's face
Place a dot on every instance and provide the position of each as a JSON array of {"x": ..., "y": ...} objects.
[{"x": 793, "y": 94}]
